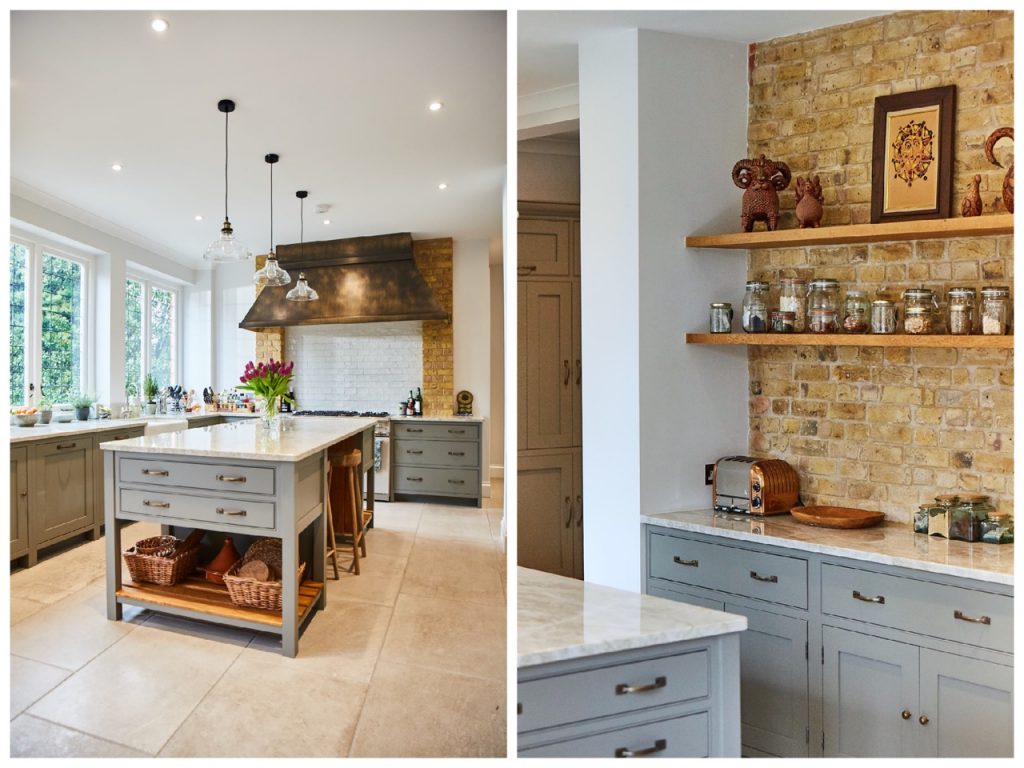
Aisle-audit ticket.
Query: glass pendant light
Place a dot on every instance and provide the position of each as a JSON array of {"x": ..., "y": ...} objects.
[
  {"x": 226, "y": 248},
  {"x": 301, "y": 291},
  {"x": 271, "y": 274}
]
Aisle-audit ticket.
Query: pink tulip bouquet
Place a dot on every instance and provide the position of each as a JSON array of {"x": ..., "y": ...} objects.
[{"x": 268, "y": 380}]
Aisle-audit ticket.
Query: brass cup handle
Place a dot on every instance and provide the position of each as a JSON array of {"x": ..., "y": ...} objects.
[
  {"x": 231, "y": 512},
  {"x": 410, "y": 429},
  {"x": 567, "y": 373},
  {"x": 963, "y": 617},
  {"x": 525, "y": 270},
  {"x": 758, "y": 577},
  {"x": 23, "y": 493},
  {"x": 156, "y": 472},
  {"x": 622, "y": 688},
  {"x": 880, "y": 599},
  {"x": 231, "y": 479},
  {"x": 415, "y": 453},
  {"x": 905, "y": 714},
  {"x": 414, "y": 479},
  {"x": 453, "y": 481},
  {"x": 923, "y": 719},
  {"x": 579, "y": 509},
  {"x": 456, "y": 431},
  {"x": 568, "y": 506},
  {"x": 659, "y": 746},
  {"x": 157, "y": 504},
  {"x": 679, "y": 561}
]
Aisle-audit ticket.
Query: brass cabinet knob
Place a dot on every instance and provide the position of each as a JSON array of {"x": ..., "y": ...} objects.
[
  {"x": 905, "y": 714},
  {"x": 923, "y": 719}
]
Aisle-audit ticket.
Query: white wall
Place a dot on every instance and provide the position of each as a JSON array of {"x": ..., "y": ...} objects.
[
  {"x": 662, "y": 120},
  {"x": 471, "y": 313},
  {"x": 198, "y": 343},
  {"x": 233, "y": 295}
]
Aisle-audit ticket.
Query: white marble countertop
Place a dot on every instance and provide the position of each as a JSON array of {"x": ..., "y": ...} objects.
[
  {"x": 887, "y": 543},
  {"x": 296, "y": 439},
  {"x": 477, "y": 419},
  {"x": 561, "y": 618},
  {"x": 44, "y": 431}
]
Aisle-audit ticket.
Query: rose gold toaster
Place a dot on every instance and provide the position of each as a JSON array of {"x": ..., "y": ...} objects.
[{"x": 754, "y": 486}]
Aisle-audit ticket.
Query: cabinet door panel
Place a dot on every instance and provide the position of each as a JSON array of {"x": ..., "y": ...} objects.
[
  {"x": 969, "y": 705},
  {"x": 62, "y": 485},
  {"x": 577, "y": 373},
  {"x": 576, "y": 267},
  {"x": 868, "y": 683},
  {"x": 577, "y": 526},
  {"x": 544, "y": 247},
  {"x": 686, "y": 736},
  {"x": 19, "y": 501},
  {"x": 549, "y": 365},
  {"x": 545, "y": 512},
  {"x": 773, "y": 682}
]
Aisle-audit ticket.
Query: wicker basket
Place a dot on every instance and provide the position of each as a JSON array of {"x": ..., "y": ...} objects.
[
  {"x": 157, "y": 545},
  {"x": 159, "y": 569},
  {"x": 251, "y": 593}
]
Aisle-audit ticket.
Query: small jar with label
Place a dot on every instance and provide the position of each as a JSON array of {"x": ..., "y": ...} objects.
[
  {"x": 856, "y": 313},
  {"x": 995, "y": 310},
  {"x": 793, "y": 298},
  {"x": 883, "y": 316},
  {"x": 721, "y": 317},
  {"x": 960, "y": 310},
  {"x": 754, "y": 314},
  {"x": 823, "y": 321},
  {"x": 783, "y": 322},
  {"x": 921, "y": 518},
  {"x": 998, "y": 528},
  {"x": 967, "y": 516}
]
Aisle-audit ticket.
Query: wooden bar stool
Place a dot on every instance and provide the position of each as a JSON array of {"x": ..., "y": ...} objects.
[
  {"x": 357, "y": 518},
  {"x": 332, "y": 543}
]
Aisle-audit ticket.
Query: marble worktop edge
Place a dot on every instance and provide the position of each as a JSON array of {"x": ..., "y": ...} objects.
[
  {"x": 445, "y": 419},
  {"x": 889, "y": 543},
  {"x": 68, "y": 428},
  {"x": 561, "y": 618},
  {"x": 294, "y": 440}
]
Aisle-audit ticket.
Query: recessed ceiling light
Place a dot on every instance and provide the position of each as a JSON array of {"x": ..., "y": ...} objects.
[
  {"x": 159, "y": 25},
  {"x": 199, "y": 217},
  {"x": 442, "y": 186},
  {"x": 327, "y": 221},
  {"x": 435, "y": 106},
  {"x": 115, "y": 167}
]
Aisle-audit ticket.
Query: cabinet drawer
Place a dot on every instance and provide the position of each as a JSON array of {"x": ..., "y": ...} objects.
[
  {"x": 448, "y": 482},
  {"x": 436, "y": 453},
  {"x": 185, "y": 474},
  {"x": 124, "y": 434},
  {"x": 613, "y": 690},
  {"x": 686, "y": 736},
  {"x": 254, "y": 514},
  {"x": 938, "y": 610},
  {"x": 435, "y": 430},
  {"x": 775, "y": 578}
]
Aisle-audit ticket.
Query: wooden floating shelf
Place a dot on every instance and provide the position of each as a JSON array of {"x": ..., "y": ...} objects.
[
  {"x": 849, "y": 340},
  {"x": 201, "y": 596},
  {"x": 929, "y": 229}
]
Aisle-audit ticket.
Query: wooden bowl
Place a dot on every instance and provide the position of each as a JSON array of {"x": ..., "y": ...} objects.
[{"x": 837, "y": 517}]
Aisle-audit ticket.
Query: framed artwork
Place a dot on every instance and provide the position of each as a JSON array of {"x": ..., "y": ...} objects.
[{"x": 912, "y": 155}]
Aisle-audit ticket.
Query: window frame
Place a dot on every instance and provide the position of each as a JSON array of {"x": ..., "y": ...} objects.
[
  {"x": 148, "y": 284},
  {"x": 37, "y": 248}
]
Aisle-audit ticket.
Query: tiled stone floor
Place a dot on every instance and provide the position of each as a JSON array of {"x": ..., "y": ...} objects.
[{"x": 408, "y": 659}]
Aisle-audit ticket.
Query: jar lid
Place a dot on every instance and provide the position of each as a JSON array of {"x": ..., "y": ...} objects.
[
  {"x": 961, "y": 292},
  {"x": 973, "y": 498},
  {"x": 881, "y": 303},
  {"x": 918, "y": 311},
  {"x": 918, "y": 293},
  {"x": 995, "y": 291},
  {"x": 721, "y": 305},
  {"x": 792, "y": 280},
  {"x": 783, "y": 314},
  {"x": 824, "y": 282},
  {"x": 757, "y": 285},
  {"x": 857, "y": 294},
  {"x": 947, "y": 499}
]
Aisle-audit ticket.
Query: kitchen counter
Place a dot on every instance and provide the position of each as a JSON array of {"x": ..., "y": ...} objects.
[
  {"x": 888, "y": 543},
  {"x": 476, "y": 419},
  {"x": 561, "y": 618},
  {"x": 44, "y": 431},
  {"x": 294, "y": 440}
]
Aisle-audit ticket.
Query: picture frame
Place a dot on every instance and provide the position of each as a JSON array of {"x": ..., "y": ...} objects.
[{"x": 912, "y": 155}]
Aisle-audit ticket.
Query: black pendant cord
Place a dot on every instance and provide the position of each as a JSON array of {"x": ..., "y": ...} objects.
[
  {"x": 271, "y": 210},
  {"x": 226, "y": 166}
]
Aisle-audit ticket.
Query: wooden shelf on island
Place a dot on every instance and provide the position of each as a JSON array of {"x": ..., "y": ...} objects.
[
  {"x": 200, "y": 596},
  {"x": 928, "y": 229},
  {"x": 850, "y": 340}
]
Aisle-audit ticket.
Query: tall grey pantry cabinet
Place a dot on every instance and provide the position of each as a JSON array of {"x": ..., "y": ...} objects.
[{"x": 550, "y": 424}]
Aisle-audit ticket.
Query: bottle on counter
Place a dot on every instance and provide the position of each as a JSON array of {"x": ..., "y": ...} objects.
[
  {"x": 419, "y": 402},
  {"x": 410, "y": 405}
]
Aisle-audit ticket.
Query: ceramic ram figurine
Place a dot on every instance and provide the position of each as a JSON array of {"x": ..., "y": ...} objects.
[
  {"x": 990, "y": 142},
  {"x": 809, "y": 199},
  {"x": 761, "y": 180}
]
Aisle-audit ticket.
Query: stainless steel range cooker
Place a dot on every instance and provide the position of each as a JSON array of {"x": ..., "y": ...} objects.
[{"x": 381, "y": 447}]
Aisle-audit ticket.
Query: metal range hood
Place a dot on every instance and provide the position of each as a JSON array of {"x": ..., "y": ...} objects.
[{"x": 359, "y": 279}]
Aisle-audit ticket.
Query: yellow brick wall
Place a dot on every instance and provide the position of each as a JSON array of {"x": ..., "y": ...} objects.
[
  {"x": 866, "y": 427},
  {"x": 270, "y": 341},
  {"x": 434, "y": 260}
]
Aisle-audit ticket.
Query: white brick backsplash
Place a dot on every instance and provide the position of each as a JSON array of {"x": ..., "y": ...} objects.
[{"x": 359, "y": 367}]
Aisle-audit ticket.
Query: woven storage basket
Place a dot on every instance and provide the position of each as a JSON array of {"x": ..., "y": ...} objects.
[
  {"x": 251, "y": 593},
  {"x": 161, "y": 570},
  {"x": 157, "y": 545}
]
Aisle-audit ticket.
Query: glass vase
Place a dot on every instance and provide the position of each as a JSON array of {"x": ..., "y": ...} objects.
[{"x": 269, "y": 413}]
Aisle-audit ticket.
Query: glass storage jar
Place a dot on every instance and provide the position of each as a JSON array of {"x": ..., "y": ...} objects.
[
  {"x": 721, "y": 317},
  {"x": 967, "y": 516},
  {"x": 823, "y": 321},
  {"x": 960, "y": 310},
  {"x": 793, "y": 298},
  {"x": 995, "y": 310},
  {"x": 754, "y": 313},
  {"x": 998, "y": 528},
  {"x": 823, "y": 293},
  {"x": 783, "y": 322},
  {"x": 883, "y": 316},
  {"x": 920, "y": 309},
  {"x": 856, "y": 312},
  {"x": 921, "y": 519},
  {"x": 940, "y": 514}
]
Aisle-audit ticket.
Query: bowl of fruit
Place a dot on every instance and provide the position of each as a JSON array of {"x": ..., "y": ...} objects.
[{"x": 26, "y": 417}]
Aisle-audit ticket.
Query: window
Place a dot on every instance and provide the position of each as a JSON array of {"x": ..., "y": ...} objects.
[
  {"x": 151, "y": 335},
  {"x": 48, "y": 329}
]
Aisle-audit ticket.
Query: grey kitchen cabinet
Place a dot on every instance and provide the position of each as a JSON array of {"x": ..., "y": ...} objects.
[
  {"x": 436, "y": 458},
  {"x": 865, "y": 650},
  {"x": 61, "y": 489},
  {"x": 550, "y": 519},
  {"x": 125, "y": 433},
  {"x": 671, "y": 700},
  {"x": 545, "y": 246},
  {"x": 19, "y": 503}
]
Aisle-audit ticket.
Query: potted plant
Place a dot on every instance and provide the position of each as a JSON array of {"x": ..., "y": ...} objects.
[
  {"x": 45, "y": 411},
  {"x": 82, "y": 403},
  {"x": 269, "y": 381},
  {"x": 149, "y": 389}
]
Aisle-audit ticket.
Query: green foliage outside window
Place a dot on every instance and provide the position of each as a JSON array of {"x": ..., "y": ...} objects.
[{"x": 19, "y": 254}]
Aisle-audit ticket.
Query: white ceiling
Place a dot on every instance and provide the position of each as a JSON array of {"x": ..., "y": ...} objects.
[
  {"x": 341, "y": 96},
  {"x": 548, "y": 40}
]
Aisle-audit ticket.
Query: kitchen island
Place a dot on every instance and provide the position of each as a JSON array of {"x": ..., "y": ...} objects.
[
  {"x": 609, "y": 673},
  {"x": 873, "y": 642},
  {"x": 238, "y": 479}
]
